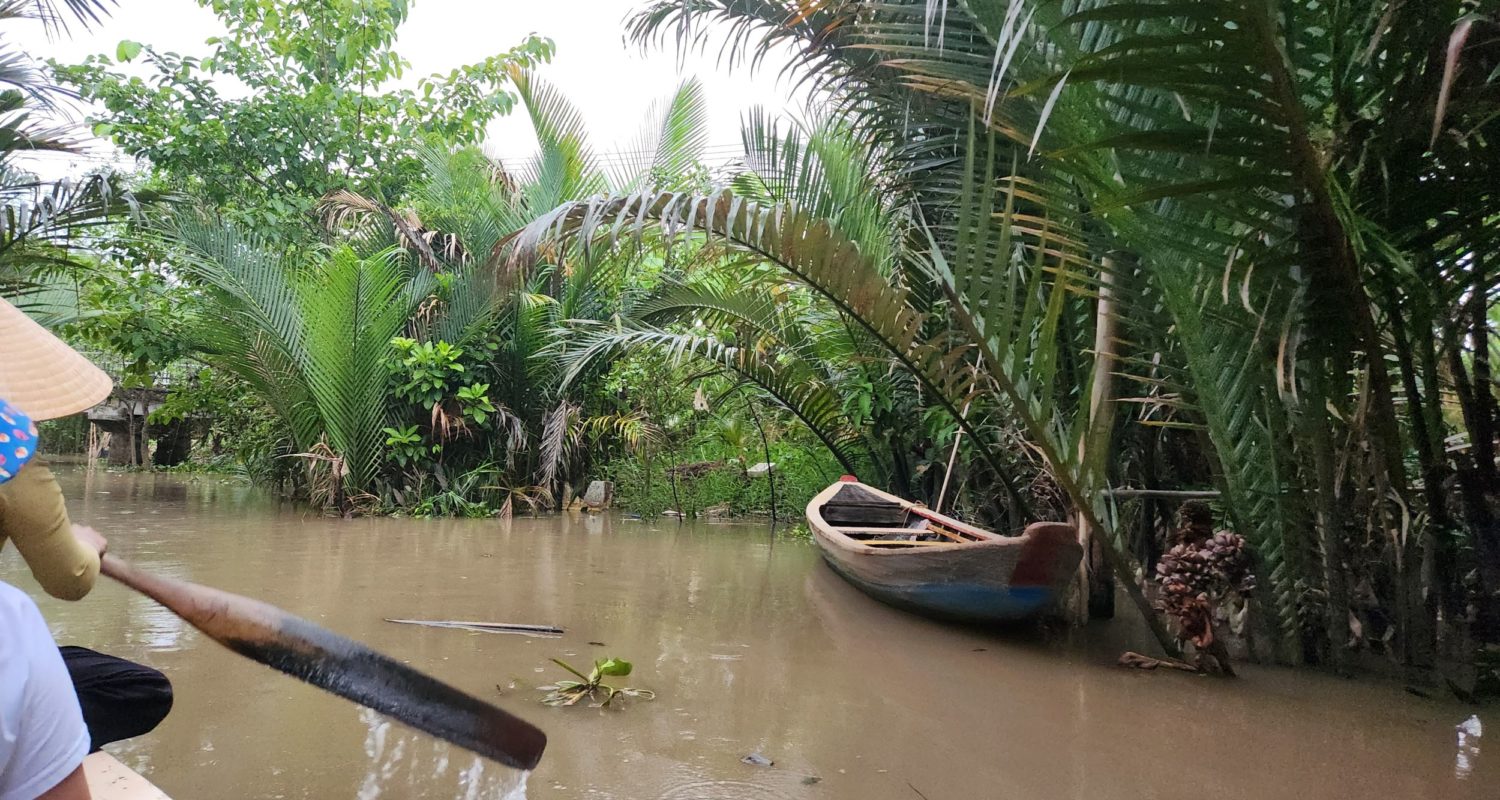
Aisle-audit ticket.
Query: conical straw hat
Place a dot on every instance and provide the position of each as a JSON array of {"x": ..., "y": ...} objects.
[{"x": 40, "y": 375}]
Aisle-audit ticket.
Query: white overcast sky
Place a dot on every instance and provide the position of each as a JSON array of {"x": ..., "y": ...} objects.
[{"x": 612, "y": 83}]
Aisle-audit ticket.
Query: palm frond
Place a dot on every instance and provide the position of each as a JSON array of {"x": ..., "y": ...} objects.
[
  {"x": 351, "y": 308},
  {"x": 313, "y": 342},
  {"x": 86, "y": 12},
  {"x": 670, "y": 144},
  {"x": 42, "y": 225}
]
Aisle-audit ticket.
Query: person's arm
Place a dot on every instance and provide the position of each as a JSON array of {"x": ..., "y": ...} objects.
[
  {"x": 45, "y": 737},
  {"x": 73, "y": 787},
  {"x": 33, "y": 515}
]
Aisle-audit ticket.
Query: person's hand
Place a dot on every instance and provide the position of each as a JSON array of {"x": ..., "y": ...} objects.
[{"x": 91, "y": 538}]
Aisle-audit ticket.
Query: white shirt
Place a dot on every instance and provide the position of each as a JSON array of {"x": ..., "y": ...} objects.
[{"x": 42, "y": 735}]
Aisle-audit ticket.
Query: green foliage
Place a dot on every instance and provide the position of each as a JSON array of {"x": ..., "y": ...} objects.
[
  {"x": 237, "y": 432},
  {"x": 702, "y": 436},
  {"x": 134, "y": 313},
  {"x": 408, "y": 368},
  {"x": 427, "y": 373},
  {"x": 407, "y": 447},
  {"x": 66, "y": 435},
  {"x": 316, "y": 112},
  {"x": 475, "y": 401},
  {"x": 567, "y": 693},
  {"x": 473, "y": 493},
  {"x": 313, "y": 343}
]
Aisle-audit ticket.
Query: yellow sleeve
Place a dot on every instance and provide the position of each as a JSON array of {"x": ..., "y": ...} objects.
[{"x": 32, "y": 515}]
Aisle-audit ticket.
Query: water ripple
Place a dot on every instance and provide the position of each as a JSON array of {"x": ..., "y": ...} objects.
[{"x": 723, "y": 790}]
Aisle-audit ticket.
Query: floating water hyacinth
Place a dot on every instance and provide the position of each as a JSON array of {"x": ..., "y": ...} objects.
[{"x": 567, "y": 693}]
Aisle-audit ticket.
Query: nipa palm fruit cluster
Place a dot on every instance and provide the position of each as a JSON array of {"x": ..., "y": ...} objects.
[{"x": 1199, "y": 571}]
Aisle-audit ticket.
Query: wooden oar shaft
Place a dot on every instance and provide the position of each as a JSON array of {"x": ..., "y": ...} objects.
[{"x": 264, "y": 633}]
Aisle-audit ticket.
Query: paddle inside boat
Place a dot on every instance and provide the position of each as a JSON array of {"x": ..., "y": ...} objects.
[{"x": 909, "y": 556}]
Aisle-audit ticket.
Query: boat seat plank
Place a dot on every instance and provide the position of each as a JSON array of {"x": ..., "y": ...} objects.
[
  {"x": 849, "y": 529},
  {"x": 902, "y": 543}
]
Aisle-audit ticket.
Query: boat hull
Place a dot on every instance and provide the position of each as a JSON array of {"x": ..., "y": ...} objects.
[
  {"x": 988, "y": 578},
  {"x": 974, "y": 602}
]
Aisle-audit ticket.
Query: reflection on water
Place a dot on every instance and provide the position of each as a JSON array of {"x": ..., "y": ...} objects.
[
  {"x": 404, "y": 763},
  {"x": 159, "y": 629},
  {"x": 751, "y": 646},
  {"x": 1468, "y": 747}
]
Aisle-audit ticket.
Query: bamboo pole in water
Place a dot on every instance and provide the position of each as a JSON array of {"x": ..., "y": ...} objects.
[{"x": 261, "y": 632}]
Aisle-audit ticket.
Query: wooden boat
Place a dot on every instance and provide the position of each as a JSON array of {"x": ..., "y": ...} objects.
[
  {"x": 108, "y": 779},
  {"x": 916, "y": 559}
]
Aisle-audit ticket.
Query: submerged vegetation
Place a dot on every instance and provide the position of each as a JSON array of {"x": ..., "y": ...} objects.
[{"x": 1101, "y": 250}]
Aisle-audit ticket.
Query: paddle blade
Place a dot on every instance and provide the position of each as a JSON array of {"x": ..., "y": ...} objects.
[
  {"x": 355, "y": 672},
  {"x": 264, "y": 633}
]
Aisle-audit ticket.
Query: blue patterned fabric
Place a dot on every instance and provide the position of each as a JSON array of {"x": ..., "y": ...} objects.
[{"x": 17, "y": 441}]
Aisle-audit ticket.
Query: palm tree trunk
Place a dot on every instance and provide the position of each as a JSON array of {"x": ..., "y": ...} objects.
[
  {"x": 1329, "y": 513},
  {"x": 1477, "y": 483},
  {"x": 1096, "y": 588},
  {"x": 1420, "y": 630},
  {"x": 1482, "y": 438}
]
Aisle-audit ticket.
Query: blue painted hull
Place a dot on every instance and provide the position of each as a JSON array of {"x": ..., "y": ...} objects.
[{"x": 985, "y": 603}]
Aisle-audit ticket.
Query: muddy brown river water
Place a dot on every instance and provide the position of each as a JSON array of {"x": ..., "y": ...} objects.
[{"x": 752, "y": 646}]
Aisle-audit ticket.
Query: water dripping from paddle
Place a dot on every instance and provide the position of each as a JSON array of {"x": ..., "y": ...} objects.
[{"x": 405, "y": 763}]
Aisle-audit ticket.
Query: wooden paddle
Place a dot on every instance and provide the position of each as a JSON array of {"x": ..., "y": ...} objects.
[{"x": 267, "y": 634}]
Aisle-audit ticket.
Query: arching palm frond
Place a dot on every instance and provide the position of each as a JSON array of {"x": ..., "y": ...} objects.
[
  {"x": 827, "y": 171},
  {"x": 50, "y": 12},
  {"x": 807, "y": 248},
  {"x": 264, "y": 343},
  {"x": 42, "y": 225},
  {"x": 565, "y": 166},
  {"x": 751, "y": 30},
  {"x": 470, "y": 198}
]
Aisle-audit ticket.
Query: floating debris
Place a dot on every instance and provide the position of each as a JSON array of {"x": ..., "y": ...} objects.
[{"x": 484, "y": 627}]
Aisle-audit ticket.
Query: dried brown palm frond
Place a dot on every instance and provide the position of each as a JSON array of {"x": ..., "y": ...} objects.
[
  {"x": 561, "y": 433},
  {"x": 513, "y": 427},
  {"x": 535, "y": 498},
  {"x": 326, "y": 473},
  {"x": 343, "y": 210}
]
